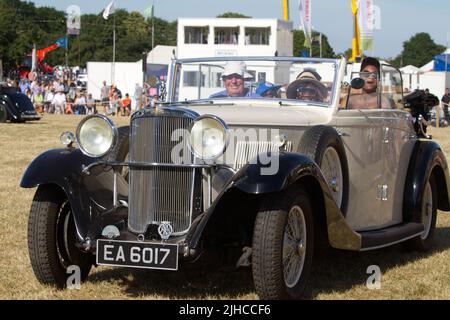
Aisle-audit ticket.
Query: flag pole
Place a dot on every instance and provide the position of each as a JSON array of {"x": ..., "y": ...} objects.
[
  {"x": 153, "y": 25},
  {"x": 113, "y": 71}
]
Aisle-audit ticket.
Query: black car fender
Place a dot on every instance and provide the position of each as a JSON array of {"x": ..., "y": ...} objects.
[
  {"x": 88, "y": 194},
  {"x": 427, "y": 159},
  {"x": 13, "y": 113},
  {"x": 292, "y": 168}
]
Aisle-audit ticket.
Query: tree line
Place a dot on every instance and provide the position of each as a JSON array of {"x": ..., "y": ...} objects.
[{"x": 22, "y": 25}]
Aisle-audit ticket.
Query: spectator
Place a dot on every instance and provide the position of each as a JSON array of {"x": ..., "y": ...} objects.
[
  {"x": 49, "y": 95},
  {"x": 80, "y": 104},
  {"x": 69, "y": 106},
  {"x": 445, "y": 102},
  {"x": 59, "y": 101},
  {"x": 24, "y": 86},
  {"x": 137, "y": 97},
  {"x": 90, "y": 105},
  {"x": 126, "y": 105},
  {"x": 105, "y": 97},
  {"x": 39, "y": 103}
]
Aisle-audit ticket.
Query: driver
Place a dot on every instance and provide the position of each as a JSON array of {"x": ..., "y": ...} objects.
[
  {"x": 368, "y": 99},
  {"x": 234, "y": 77},
  {"x": 307, "y": 87}
]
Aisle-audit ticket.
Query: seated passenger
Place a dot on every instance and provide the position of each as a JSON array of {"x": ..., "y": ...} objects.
[
  {"x": 368, "y": 99},
  {"x": 268, "y": 90},
  {"x": 234, "y": 77},
  {"x": 307, "y": 87}
]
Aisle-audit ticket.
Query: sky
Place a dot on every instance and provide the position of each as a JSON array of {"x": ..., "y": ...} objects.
[{"x": 400, "y": 19}]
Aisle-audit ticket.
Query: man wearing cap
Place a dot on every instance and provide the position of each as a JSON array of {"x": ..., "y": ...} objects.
[
  {"x": 234, "y": 77},
  {"x": 368, "y": 99},
  {"x": 308, "y": 87}
]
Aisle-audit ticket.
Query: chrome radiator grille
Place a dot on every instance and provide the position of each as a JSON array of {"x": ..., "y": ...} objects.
[{"x": 160, "y": 193}]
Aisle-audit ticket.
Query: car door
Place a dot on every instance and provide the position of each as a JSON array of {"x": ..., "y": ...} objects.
[
  {"x": 362, "y": 132},
  {"x": 398, "y": 144}
]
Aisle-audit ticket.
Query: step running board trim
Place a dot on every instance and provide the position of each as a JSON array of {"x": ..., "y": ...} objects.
[{"x": 372, "y": 240}]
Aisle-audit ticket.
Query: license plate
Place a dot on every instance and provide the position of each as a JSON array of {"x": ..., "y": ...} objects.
[{"x": 143, "y": 255}]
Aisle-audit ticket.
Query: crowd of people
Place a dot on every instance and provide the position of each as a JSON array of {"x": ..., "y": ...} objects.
[{"x": 59, "y": 94}]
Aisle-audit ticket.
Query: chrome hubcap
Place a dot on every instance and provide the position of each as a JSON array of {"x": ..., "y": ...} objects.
[
  {"x": 332, "y": 171},
  {"x": 294, "y": 247}
]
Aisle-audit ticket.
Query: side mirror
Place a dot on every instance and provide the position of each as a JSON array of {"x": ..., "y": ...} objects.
[{"x": 357, "y": 83}]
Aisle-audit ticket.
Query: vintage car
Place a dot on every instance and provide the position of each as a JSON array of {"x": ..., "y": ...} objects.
[
  {"x": 221, "y": 172},
  {"x": 15, "y": 106}
]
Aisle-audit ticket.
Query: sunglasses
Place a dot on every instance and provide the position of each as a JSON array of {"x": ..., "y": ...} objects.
[
  {"x": 306, "y": 90},
  {"x": 369, "y": 75}
]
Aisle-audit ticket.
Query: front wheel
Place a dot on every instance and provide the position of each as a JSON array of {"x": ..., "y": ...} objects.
[
  {"x": 52, "y": 239},
  {"x": 283, "y": 246}
]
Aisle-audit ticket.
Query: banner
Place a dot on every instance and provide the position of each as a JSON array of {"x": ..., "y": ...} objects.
[
  {"x": 367, "y": 23},
  {"x": 109, "y": 10},
  {"x": 73, "y": 20},
  {"x": 304, "y": 8}
]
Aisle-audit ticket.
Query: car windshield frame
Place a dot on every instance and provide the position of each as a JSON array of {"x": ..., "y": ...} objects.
[{"x": 176, "y": 69}]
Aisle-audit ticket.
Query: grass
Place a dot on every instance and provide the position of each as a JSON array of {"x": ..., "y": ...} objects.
[{"x": 336, "y": 274}]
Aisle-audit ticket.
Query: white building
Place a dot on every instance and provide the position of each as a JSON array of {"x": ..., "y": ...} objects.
[
  {"x": 234, "y": 37},
  {"x": 222, "y": 37}
]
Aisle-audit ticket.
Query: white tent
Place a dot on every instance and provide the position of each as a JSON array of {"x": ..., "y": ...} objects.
[{"x": 410, "y": 70}]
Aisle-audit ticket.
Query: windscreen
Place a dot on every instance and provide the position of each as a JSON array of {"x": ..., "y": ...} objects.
[{"x": 303, "y": 81}]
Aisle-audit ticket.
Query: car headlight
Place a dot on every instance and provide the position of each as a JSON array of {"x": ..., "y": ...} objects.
[
  {"x": 96, "y": 135},
  {"x": 208, "y": 136}
]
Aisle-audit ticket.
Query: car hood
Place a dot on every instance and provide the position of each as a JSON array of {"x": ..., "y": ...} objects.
[{"x": 267, "y": 115}]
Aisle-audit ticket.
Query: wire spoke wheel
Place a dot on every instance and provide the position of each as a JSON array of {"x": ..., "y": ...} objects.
[
  {"x": 332, "y": 170},
  {"x": 294, "y": 244}
]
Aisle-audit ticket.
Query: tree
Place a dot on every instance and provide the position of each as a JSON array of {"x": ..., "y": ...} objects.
[
  {"x": 299, "y": 41},
  {"x": 418, "y": 51},
  {"x": 232, "y": 15}
]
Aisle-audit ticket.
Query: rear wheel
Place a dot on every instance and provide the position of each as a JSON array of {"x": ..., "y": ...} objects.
[
  {"x": 428, "y": 215},
  {"x": 3, "y": 114},
  {"x": 52, "y": 239},
  {"x": 283, "y": 246}
]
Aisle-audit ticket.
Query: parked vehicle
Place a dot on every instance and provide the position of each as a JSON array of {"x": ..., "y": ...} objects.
[
  {"x": 265, "y": 181},
  {"x": 15, "y": 106}
]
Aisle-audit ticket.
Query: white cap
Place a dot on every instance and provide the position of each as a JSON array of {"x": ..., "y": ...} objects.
[{"x": 237, "y": 67}]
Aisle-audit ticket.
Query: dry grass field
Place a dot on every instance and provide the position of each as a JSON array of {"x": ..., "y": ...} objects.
[{"x": 336, "y": 275}]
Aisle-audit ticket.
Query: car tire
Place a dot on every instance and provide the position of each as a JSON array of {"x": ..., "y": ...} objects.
[
  {"x": 3, "y": 114},
  {"x": 428, "y": 218},
  {"x": 324, "y": 145},
  {"x": 271, "y": 239},
  {"x": 52, "y": 239},
  {"x": 121, "y": 151}
]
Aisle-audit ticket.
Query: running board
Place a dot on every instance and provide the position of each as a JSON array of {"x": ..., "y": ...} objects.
[{"x": 371, "y": 240}]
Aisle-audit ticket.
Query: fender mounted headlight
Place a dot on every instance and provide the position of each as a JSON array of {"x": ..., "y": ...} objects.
[
  {"x": 208, "y": 137},
  {"x": 96, "y": 135}
]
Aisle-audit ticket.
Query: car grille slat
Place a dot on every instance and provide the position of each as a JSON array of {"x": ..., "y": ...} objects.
[
  {"x": 246, "y": 151},
  {"x": 161, "y": 193}
]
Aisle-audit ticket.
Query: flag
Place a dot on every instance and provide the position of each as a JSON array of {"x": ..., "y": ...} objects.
[
  {"x": 110, "y": 9},
  {"x": 304, "y": 8},
  {"x": 150, "y": 12},
  {"x": 62, "y": 42},
  {"x": 43, "y": 52},
  {"x": 367, "y": 23}
]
